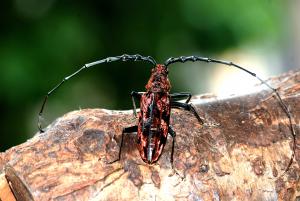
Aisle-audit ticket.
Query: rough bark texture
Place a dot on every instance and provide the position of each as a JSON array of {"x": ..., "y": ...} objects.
[{"x": 239, "y": 154}]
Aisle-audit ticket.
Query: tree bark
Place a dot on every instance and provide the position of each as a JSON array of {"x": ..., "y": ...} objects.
[{"x": 240, "y": 153}]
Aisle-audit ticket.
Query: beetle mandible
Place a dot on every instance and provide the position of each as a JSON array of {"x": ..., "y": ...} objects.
[{"x": 156, "y": 103}]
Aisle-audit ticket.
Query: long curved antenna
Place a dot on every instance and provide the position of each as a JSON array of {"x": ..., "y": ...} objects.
[
  {"x": 124, "y": 57},
  {"x": 285, "y": 108}
]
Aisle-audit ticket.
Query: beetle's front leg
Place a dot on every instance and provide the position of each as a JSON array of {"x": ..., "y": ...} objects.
[
  {"x": 134, "y": 95},
  {"x": 131, "y": 129},
  {"x": 188, "y": 107}
]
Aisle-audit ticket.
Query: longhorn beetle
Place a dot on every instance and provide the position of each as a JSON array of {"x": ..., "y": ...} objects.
[{"x": 156, "y": 103}]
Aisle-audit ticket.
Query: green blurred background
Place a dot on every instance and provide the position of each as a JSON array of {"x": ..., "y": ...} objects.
[{"x": 43, "y": 41}]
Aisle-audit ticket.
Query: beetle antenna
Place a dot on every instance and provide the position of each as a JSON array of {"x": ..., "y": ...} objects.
[
  {"x": 285, "y": 108},
  {"x": 124, "y": 57}
]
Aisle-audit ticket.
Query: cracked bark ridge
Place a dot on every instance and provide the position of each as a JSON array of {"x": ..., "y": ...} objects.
[{"x": 239, "y": 154}]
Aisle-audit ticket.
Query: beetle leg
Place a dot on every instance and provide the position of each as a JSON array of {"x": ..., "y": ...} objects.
[
  {"x": 188, "y": 107},
  {"x": 131, "y": 129},
  {"x": 134, "y": 95},
  {"x": 173, "y": 134},
  {"x": 181, "y": 96}
]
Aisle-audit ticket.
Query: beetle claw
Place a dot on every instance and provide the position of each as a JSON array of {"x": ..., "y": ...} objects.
[{"x": 177, "y": 173}]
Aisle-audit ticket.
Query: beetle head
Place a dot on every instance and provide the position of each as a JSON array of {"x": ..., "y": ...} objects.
[{"x": 159, "y": 81}]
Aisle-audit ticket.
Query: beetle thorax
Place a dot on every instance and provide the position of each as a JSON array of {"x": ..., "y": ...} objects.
[{"x": 159, "y": 81}]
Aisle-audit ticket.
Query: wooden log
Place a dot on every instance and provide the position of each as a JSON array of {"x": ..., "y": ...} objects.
[{"x": 239, "y": 154}]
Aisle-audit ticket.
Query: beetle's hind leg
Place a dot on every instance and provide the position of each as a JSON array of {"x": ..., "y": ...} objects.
[
  {"x": 131, "y": 129},
  {"x": 173, "y": 134}
]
